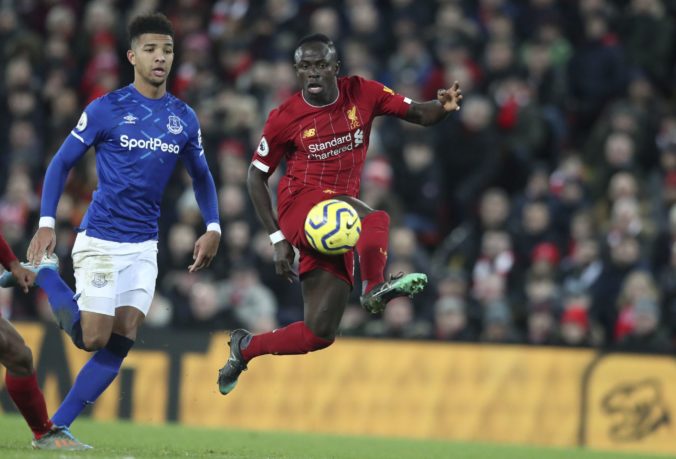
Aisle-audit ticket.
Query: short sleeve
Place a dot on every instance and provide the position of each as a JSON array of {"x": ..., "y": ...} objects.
[
  {"x": 90, "y": 128},
  {"x": 272, "y": 145},
  {"x": 385, "y": 100}
]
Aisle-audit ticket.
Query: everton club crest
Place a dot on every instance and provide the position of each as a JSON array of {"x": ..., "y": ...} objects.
[{"x": 174, "y": 125}]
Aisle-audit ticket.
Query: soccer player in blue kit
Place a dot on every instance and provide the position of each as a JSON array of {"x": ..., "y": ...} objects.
[{"x": 139, "y": 133}]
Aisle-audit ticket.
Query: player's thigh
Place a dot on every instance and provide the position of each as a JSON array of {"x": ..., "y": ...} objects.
[
  {"x": 325, "y": 296},
  {"x": 361, "y": 207},
  {"x": 15, "y": 355},
  {"x": 136, "y": 288}
]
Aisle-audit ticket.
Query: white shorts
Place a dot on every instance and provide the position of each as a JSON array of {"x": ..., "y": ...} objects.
[{"x": 110, "y": 274}]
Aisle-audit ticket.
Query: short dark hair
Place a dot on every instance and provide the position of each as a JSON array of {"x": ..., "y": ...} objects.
[
  {"x": 150, "y": 23},
  {"x": 316, "y": 38}
]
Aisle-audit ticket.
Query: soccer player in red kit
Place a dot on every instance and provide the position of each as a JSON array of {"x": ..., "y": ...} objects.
[
  {"x": 323, "y": 134},
  {"x": 20, "y": 379}
]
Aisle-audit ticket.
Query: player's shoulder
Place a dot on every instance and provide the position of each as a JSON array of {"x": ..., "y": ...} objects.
[
  {"x": 356, "y": 83},
  {"x": 286, "y": 111}
]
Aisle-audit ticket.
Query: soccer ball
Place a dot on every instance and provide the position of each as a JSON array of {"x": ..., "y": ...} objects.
[{"x": 332, "y": 227}]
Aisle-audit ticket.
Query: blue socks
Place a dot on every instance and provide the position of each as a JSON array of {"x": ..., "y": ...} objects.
[
  {"x": 64, "y": 306},
  {"x": 94, "y": 377}
]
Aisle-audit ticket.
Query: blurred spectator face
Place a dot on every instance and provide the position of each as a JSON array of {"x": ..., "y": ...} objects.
[
  {"x": 501, "y": 27},
  {"x": 460, "y": 72},
  {"x": 262, "y": 246},
  {"x": 418, "y": 156},
  {"x": 622, "y": 185},
  {"x": 403, "y": 242},
  {"x": 623, "y": 121},
  {"x": 22, "y": 136},
  {"x": 646, "y": 317},
  {"x": 99, "y": 17},
  {"x": 490, "y": 288},
  {"x": 668, "y": 158},
  {"x": 449, "y": 316},
  {"x": 494, "y": 243},
  {"x": 595, "y": 27},
  {"x": 453, "y": 284},
  {"x": 574, "y": 326},
  {"x": 203, "y": 301},
  {"x": 18, "y": 74},
  {"x": 493, "y": 208},
  {"x": 582, "y": 226},
  {"x": 638, "y": 285},
  {"x": 232, "y": 201},
  {"x": 476, "y": 113},
  {"x": 538, "y": 183},
  {"x": 449, "y": 17},
  {"x": 540, "y": 291},
  {"x": 65, "y": 105},
  {"x": 619, "y": 150},
  {"x": 496, "y": 323},
  {"x": 572, "y": 192},
  {"x": 325, "y": 20},
  {"x": 499, "y": 56},
  {"x": 626, "y": 217},
  {"x": 626, "y": 252},
  {"x": 363, "y": 18},
  {"x": 60, "y": 22},
  {"x": 540, "y": 327},
  {"x": 640, "y": 89},
  {"x": 535, "y": 219},
  {"x": 237, "y": 235},
  {"x": 545, "y": 259},
  {"x": 181, "y": 241},
  {"x": 585, "y": 252},
  {"x": 538, "y": 59},
  {"x": 21, "y": 103},
  {"x": 399, "y": 313}
]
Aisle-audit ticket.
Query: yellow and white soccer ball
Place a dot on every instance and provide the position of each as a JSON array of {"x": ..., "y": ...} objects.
[{"x": 332, "y": 227}]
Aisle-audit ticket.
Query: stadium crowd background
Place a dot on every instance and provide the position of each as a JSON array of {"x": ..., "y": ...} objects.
[{"x": 545, "y": 211}]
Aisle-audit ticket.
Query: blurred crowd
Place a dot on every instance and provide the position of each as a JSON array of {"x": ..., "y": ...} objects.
[{"x": 544, "y": 211}]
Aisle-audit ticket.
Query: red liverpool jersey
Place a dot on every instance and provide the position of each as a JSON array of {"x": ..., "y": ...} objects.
[{"x": 325, "y": 147}]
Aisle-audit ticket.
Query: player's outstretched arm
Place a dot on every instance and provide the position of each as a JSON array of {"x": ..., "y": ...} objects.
[
  {"x": 433, "y": 111},
  {"x": 259, "y": 191},
  {"x": 44, "y": 240},
  {"x": 203, "y": 184}
]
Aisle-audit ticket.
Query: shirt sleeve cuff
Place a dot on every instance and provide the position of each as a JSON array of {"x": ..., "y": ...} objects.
[
  {"x": 47, "y": 222},
  {"x": 214, "y": 227}
]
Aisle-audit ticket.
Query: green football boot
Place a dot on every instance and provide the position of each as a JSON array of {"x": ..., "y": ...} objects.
[
  {"x": 398, "y": 285},
  {"x": 228, "y": 375}
]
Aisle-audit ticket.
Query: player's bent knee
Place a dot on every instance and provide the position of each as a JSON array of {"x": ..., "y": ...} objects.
[
  {"x": 18, "y": 359},
  {"x": 95, "y": 342},
  {"x": 312, "y": 342}
]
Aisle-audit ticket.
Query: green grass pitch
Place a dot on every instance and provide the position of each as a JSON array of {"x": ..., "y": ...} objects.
[{"x": 121, "y": 440}]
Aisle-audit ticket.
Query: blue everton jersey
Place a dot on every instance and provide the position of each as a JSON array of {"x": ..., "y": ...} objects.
[{"x": 138, "y": 142}]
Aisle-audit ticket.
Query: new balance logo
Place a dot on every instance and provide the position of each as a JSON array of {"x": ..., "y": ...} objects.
[{"x": 358, "y": 137}]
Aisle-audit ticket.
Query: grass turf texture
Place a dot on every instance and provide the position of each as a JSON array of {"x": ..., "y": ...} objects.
[{"x": 124, "y": 440}]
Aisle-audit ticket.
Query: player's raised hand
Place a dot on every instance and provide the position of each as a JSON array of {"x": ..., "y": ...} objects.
[
  {"x": 42, "y": 244},
  {"x": 450, "y": 98},
  {"x": 283, "y": 259},
  {"x": 205, "y": 250},
  {"x": 24, "y": 277}
]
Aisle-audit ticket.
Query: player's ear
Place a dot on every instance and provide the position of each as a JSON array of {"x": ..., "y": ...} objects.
[{"x": 131, "y": 56}]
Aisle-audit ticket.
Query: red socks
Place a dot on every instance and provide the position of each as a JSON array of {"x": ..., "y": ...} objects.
[
  {"x": 295, "y": 338},
  {"x": 372, "y": 248},
  {"x": 28, "y": 398}
]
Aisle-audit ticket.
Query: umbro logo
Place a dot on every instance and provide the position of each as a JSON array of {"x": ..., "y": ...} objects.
[{"x": 129, "y": 119}]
